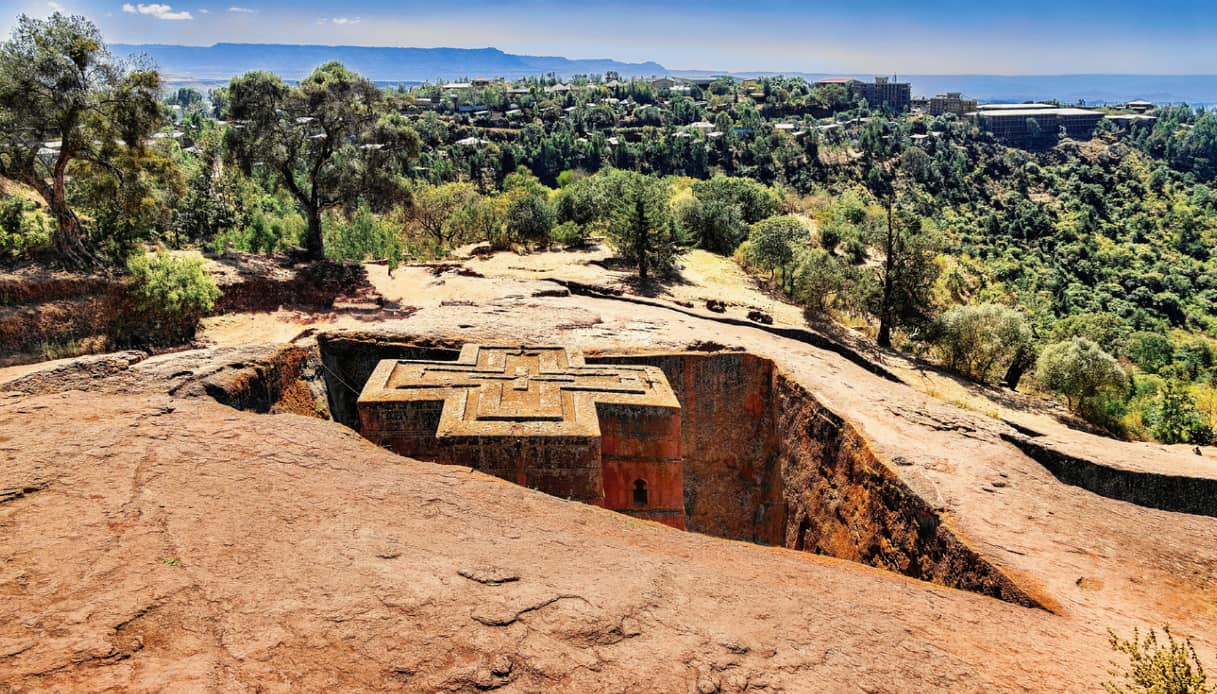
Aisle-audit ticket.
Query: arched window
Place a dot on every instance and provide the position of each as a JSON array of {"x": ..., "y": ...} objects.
[{"x": 640, "y": 492}]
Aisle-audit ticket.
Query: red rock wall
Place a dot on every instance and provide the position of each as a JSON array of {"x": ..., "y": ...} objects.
[
  {"x": 643, "y": 443},
  {"x": 732, "y": 485},
  {"x": 843, "y": 502}
]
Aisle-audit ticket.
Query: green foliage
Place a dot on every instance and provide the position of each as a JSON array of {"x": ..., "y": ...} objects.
[
  {"x": 723, "y": 207},
  {"x": 22, "y": 232},
  {"x": 822, "y": 282},
  {"x": 718, "y": 225},
  {"x": 1173, "y": 417},
  {"x": 1101, "y": 328},
  {"x": 642, "y": 227},
  {"x": 58, "y": 82},
  {"x": 570, "y": 235},
  {"x": 1156, "y": 668},
  {"x": 905, "y": 278},
  {"x": 774, "y": 243},
  {"x": 328, "y": 141},
  {"x": 1150, "y": 351},
  {"x": 754, "y": 200},
  {"x": 363, "y": 236},
  {"x": 776, "y": 239},
  {"x": 172, "y": 292},
  {"x": 980, "y": 342},
  {"x": 530, "y": 218},
  {"x": 1078, "y": 369}
]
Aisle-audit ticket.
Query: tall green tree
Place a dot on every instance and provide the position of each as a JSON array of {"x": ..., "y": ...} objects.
[
  {"x": 908, "y": 270},
  {"x": 329, "y": 141},
  {"x": 67, "y": 106},
  {"x": 642, "y": 228}
]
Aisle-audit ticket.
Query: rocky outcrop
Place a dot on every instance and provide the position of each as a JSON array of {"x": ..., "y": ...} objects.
[
  {"x": 154, "y": 543},
  {"x": 1178, "y": 493}
]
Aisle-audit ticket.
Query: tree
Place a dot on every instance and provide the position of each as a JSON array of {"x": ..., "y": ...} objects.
[
  {"x": 329, "y": 141},
  {"x": 433, "y": 209},
  {"x": 774, "y": 241},
  {"x": 1174, "y": 418},
  {"x": 717, "y": 224},
  {"x": 213, "y": 202},
  {"x": 754, "y": 200},
  {"x": 641, "y": 227},
  {"x": 59, "y": 83},
  {"x": 907, "y": 274},
  {"x": 979, "y": 340},
  {"x": 530, "y": 218},
  {"x": 908, "y": 270},
  {"x": 1078, "y": 369}
]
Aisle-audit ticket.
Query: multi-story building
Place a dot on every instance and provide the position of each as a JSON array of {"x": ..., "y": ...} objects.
[
  {"x": 884, "y": 92},
  {"x": 951, "y": 102},
  {"x": 1037, "y": 125}
]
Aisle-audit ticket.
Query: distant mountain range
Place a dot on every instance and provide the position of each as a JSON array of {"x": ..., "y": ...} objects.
[
  {"x": 292, "y": 62},
  {"x": 219, "y": 62}
]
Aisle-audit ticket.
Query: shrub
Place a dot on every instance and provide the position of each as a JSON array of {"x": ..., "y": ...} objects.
[
  {"x": 1078, "y": 369},
  {"x": 21, "y": 233},
  {"x": 570, "y": 235},
  {"x": 1173, "y": 416},
  {"x": 830, "y": 237},
  {"x": 363, "y": 237},
  {"x": 172, "y": 292},
  {"x": 530, "y": 219},
  {"x": 1150, "y": 351},
  {"x": 1168, "y": 668},
  {"x": 717, "y": 225},
  {"x": 822, "y": 282},
  {"x": 978, "y": 341}
]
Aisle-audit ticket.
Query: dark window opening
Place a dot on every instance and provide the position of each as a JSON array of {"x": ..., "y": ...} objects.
[
  {"x": 640, "y": 493},
  {"x": 800, "y": 541}
]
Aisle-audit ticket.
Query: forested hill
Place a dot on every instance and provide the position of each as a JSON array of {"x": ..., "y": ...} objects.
[{"x": 223, "y": 60}]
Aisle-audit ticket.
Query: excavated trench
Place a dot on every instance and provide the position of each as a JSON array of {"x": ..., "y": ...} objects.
[{"x": 765, "y": 461}]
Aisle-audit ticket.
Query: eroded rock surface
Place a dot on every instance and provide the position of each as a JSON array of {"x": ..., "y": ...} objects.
[{"x": 179, "y": 542}]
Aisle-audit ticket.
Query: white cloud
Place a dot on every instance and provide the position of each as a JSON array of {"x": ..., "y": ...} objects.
[
  {"x": 204, "y": 11},
  {"x": 242, "y": 10},
  {"x": 55, "y": 7},
  {"x": 345, "y": 20},
  {"x": 156, "y": 10}
]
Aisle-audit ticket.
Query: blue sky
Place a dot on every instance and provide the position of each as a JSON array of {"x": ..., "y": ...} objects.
[{"x": 863, "y": 36}]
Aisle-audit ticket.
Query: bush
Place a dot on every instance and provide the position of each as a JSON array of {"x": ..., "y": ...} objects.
[
  {"x": 1150, "y": 351},
  {"x": 1078, "y": 369},
  {"x": 753, "y": 200},
  {"x": 717, "y": 225},
  {"x": 822, "y": 282},
  {"x": 21, "y": 233},
  {"x": 570, "y": 235},
  {"x": 1169, "y": 668},
  {"x": 830, "y": 237},
  {"x": 1173, "y": 417},
  {"x": 981, "y": 341},
  {"x": 172, "y": 292},
  {"x": 363, "y": 237},
  {"x": 530, "y": 219}
]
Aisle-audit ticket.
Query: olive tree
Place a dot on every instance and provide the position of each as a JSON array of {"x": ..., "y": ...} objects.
[
  {"x": 977, "y": 341},
  {"x": 773, "y": 243},
  {"x": 329, "y": 141},
  {"x": 1078, "y": 369},
  {"x": 71, "y": 113}
]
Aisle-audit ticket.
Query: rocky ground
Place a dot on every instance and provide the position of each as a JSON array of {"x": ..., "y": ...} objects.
[{"x": 156, "y": 539}]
